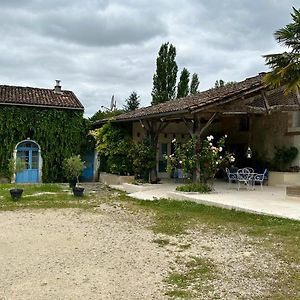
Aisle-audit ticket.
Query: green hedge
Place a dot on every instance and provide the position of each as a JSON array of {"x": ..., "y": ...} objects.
[
  {"x": 194, "y": 187},
  {"x": 59, "y": 132}
]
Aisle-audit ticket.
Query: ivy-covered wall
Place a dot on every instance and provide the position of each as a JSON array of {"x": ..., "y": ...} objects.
[{"x": 59, "y": 132}]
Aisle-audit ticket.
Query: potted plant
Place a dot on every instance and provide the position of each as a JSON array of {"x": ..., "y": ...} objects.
[
  {"x": 15, "y": 166},
  {"x": 73, "y": 167}
]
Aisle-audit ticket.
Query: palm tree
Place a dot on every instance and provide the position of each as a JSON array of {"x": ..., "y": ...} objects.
[{"x": 286, "y": 66}]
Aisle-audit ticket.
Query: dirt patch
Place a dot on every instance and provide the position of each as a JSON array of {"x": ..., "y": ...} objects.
[
  {"x": 241, "y": 269},
  {"x": 72, "y": 254}
]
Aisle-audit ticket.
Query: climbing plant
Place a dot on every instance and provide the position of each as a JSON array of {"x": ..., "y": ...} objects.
[
  {"x": 59, "y": 132},
  {"x": 114, "y": 144}
]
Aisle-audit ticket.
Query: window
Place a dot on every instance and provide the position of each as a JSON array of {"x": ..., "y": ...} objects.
[
  {"x": 244, "y": 123},
  {"x": 296, "y": 119}
]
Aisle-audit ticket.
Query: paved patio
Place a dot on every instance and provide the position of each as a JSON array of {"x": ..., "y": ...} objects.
[{"x": 269, "y": 201}]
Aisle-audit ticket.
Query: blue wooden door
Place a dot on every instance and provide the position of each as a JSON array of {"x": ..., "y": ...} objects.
[
  {"x": 88, "y": 171},
  {"x": 28, "y": 152}
]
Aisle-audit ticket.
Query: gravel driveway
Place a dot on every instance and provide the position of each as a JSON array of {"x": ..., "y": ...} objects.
[
  {"x": 72, "y": 254},
  {"x": 109, "y": 253}
]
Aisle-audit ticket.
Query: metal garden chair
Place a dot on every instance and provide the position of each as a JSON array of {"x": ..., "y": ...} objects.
[
  {"x": 232, "y": 176},
  {"x": 259, "y": 178}
]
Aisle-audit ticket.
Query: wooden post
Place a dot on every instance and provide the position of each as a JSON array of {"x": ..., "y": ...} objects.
[
  {"x": 154, "y": 128},
  {"x": 197, "y": 133}
]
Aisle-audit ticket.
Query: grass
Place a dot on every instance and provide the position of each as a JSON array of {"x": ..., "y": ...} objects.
[
  {"x": 42, "y": 196},
  {"x": 194, "y": 273},
  {"x": 281, "y": 237}
]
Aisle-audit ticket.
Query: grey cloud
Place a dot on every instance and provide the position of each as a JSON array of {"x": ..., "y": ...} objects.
[
  {"x": 98, "y": 26},
  {"x": 104, "y": 47}
]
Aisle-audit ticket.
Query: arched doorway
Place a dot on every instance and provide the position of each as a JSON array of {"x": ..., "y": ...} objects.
[{"x": 30, "y": 152}]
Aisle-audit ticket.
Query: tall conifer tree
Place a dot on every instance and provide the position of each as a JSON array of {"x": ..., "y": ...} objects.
[
  {"x": 132, "y": 102},
  {"x": 183, "y": 84},
  {"x": 194, "y": 84},
  {"x": 164, "y": 79}
]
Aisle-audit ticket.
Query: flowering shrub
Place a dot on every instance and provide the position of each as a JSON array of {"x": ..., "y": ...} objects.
[{"x": 202, "y": 158}]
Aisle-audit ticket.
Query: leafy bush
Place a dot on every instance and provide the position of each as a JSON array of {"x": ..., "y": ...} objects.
[
  {"x": 113, "y": 145},
  {"x": 15, "y": 166},
  {"x": 195, "y": 187},
  {"x": 143, "y": 159},
  {"x": 283, "y": 156},
  {"x": 73, "y": 167}
]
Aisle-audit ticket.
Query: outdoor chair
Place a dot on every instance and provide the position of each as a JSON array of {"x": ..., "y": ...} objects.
[
  {"x": 251, "y": 170},
  {"x": 260, "y": 178},
  {"x": 178, "y": 175},
  {"x": 245, "y": 176},
  {"x": 232, "y": 176}
]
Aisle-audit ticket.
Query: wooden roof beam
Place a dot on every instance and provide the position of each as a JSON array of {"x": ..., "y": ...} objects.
[{"x": 267, "y": 106}]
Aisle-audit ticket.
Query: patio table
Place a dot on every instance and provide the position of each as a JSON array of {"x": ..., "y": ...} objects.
[{"x": 245, "y": 176}]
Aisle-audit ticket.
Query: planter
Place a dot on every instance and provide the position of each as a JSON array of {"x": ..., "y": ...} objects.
[
  {"x": 113, "y": 179},
  {"x": 16, "y": 194},
  {"x": 283, "y": 178},
  {"x": 78, "y": 191}
]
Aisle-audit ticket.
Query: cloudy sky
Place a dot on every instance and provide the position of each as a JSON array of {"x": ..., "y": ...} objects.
[{"x": 104, "y": 47}]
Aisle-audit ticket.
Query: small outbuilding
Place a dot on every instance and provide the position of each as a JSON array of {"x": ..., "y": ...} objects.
[{"x": 40, "y": 126}]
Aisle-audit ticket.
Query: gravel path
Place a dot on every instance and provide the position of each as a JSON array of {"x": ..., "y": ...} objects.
[
  {"x": 110, "y": 254},
  {"x": 70, "y": 254}
]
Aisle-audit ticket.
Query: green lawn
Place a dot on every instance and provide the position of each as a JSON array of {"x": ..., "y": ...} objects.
[
  {"x": 45, "y": 196},
  {"x": 280, "y": 237}
]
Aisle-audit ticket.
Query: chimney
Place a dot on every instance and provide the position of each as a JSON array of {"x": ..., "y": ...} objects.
[{"x": 57, "y": 88}]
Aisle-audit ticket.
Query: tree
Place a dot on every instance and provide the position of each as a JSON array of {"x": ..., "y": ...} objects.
[
  {"x": 286, "y": 66},
  {"x": 194, "y": 84},
  {"x": 230, "y": 83},
  {"x": 164, "y": 80},
  {"x": 183, "y": 84},
  {"x": 132, "y": 102},
  {"x": 219, "y": 83},
  {"x": 100, "y": 115}
]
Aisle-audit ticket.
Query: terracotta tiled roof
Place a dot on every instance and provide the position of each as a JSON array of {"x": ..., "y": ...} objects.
[
  {"x": 28, "y": 96},
  {"x": 195, "y": 102}
]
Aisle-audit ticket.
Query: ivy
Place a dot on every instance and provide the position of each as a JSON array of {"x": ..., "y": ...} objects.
[
  {"x": 114, "y": 145},
  {"x": 59, "y": 132}
]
